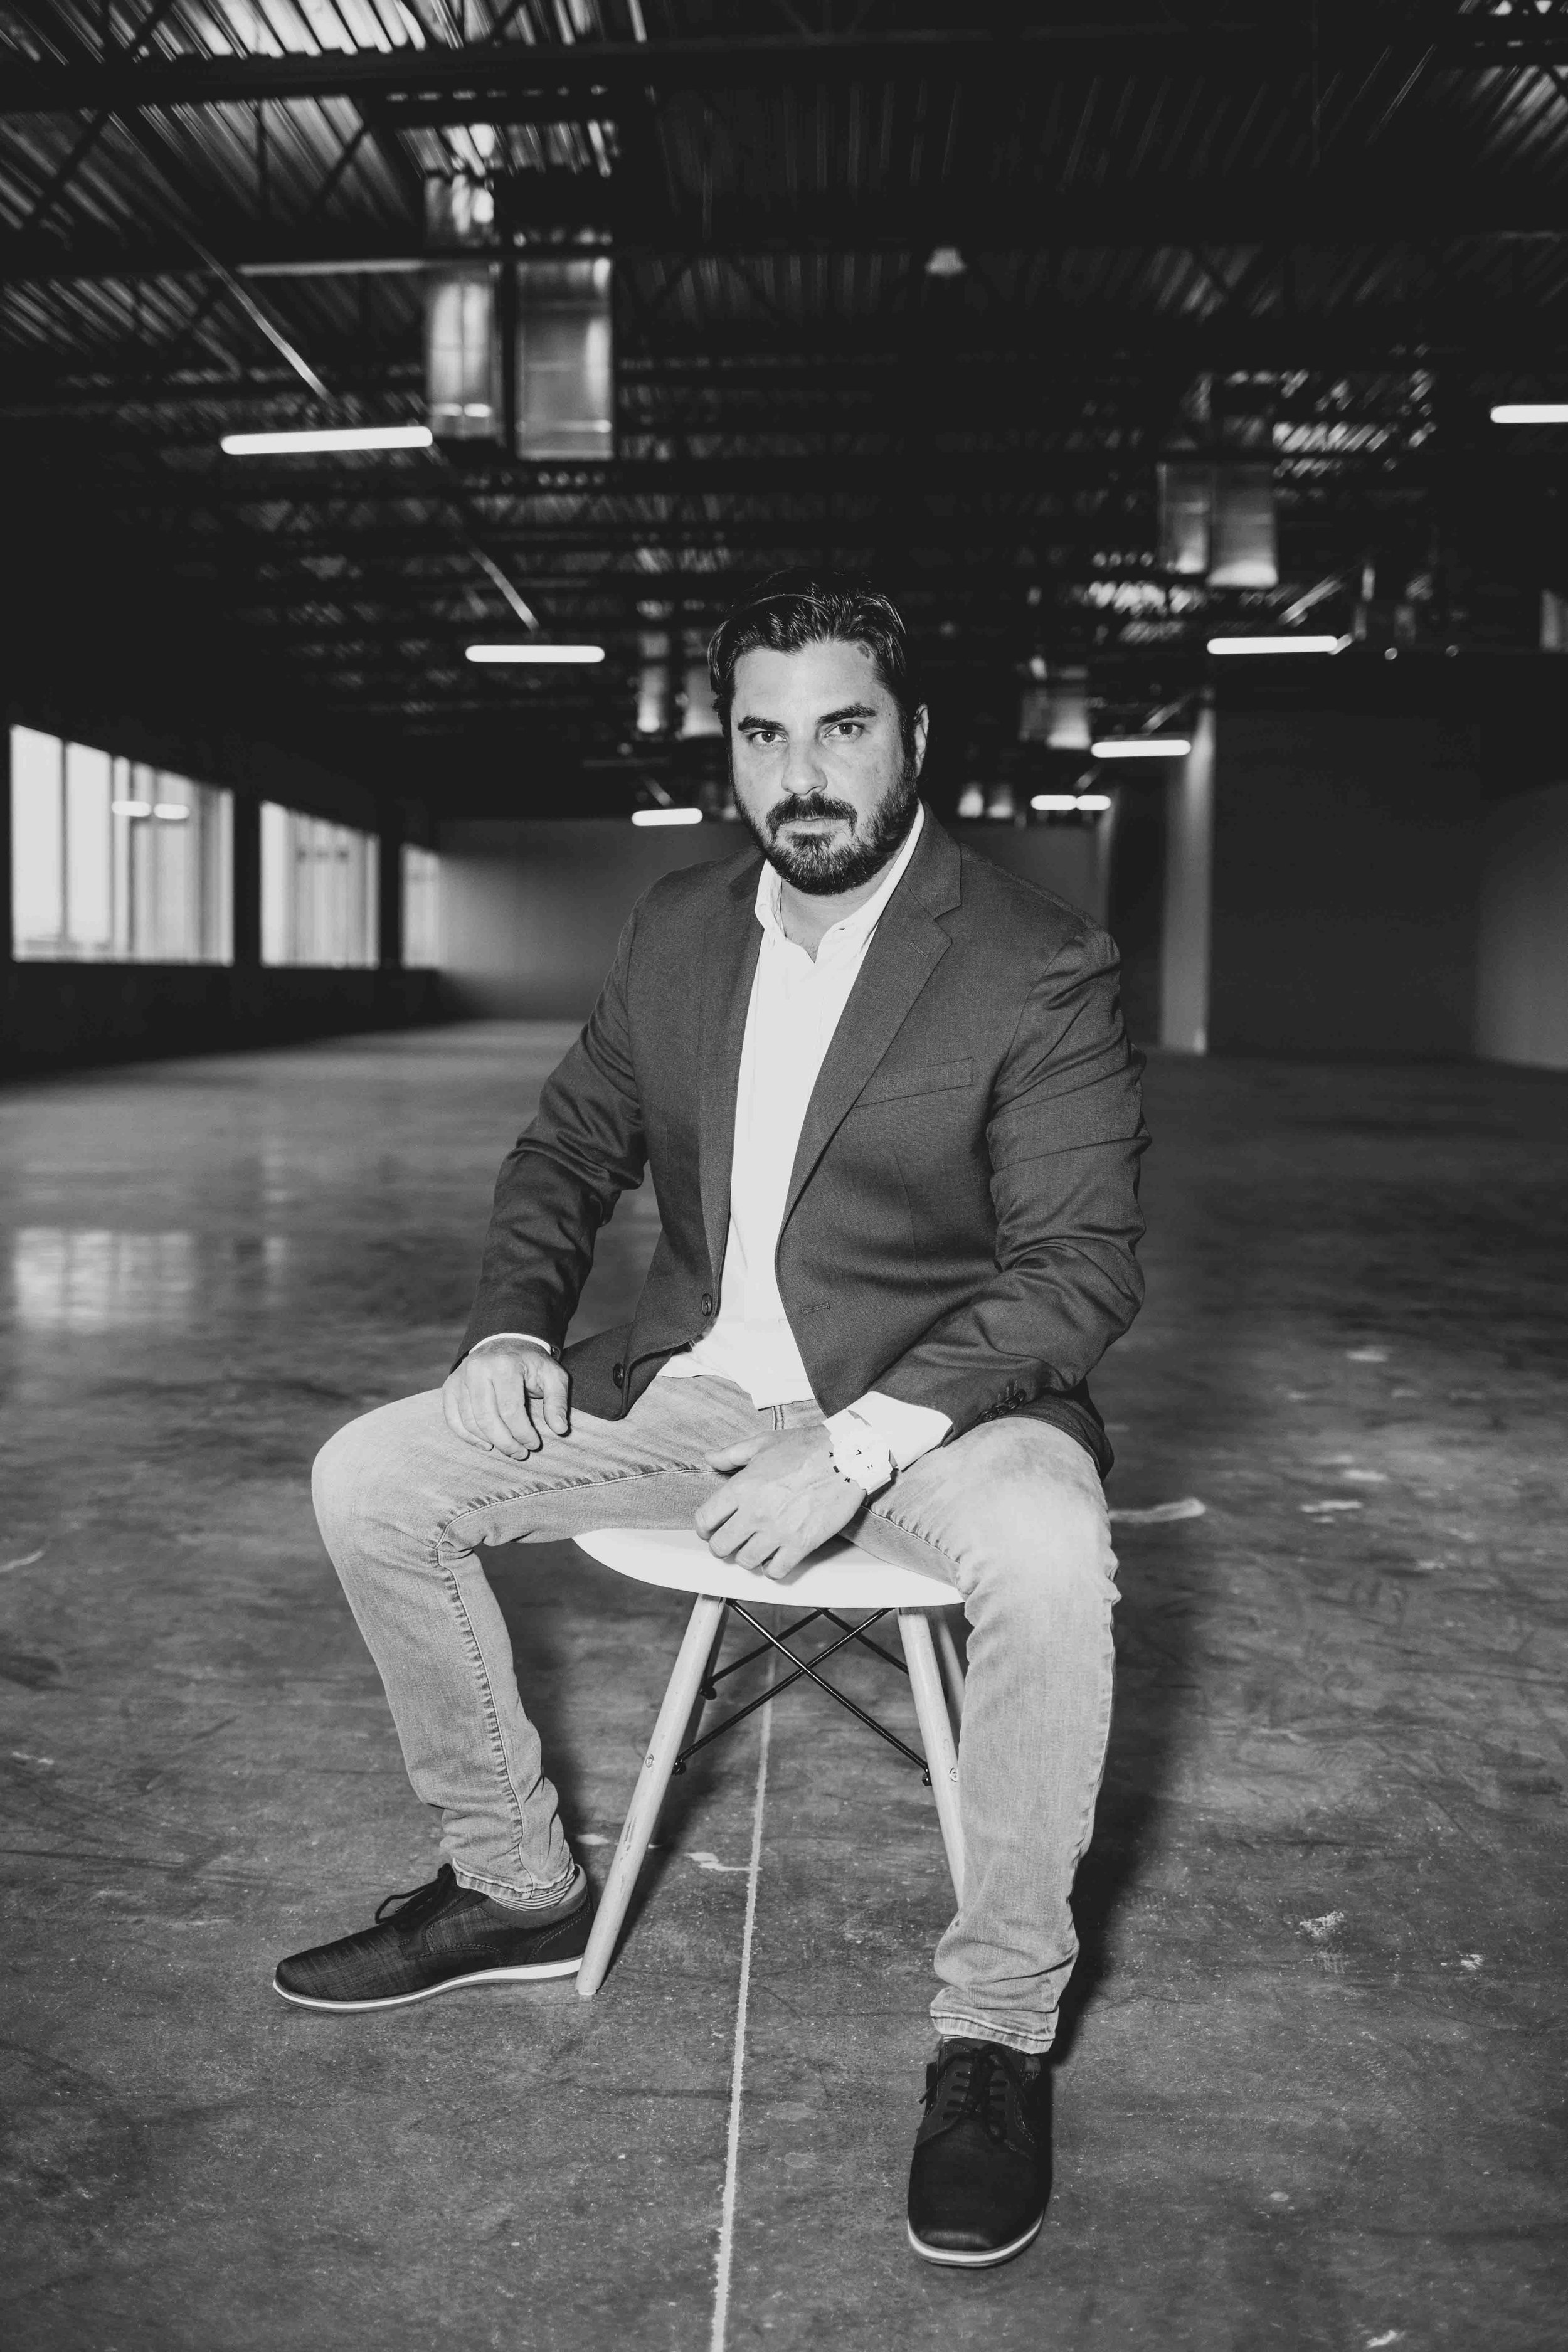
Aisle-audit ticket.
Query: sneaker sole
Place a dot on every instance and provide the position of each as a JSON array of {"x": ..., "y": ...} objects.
[
  {"x": 952, "y": 2258},
  {"x": 450, "y": 1984}
]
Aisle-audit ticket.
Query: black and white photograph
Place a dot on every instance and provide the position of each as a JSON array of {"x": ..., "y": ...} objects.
[{"x": 784, "y": 1176}]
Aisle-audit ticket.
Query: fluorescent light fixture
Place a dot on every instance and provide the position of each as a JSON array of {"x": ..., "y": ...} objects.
[
  {"x": 171, "y": 812},
  {"x": 1293, "y": 644},
  {"x": 1070, "y": 803},
  {"x": 1142, "y": 747},
  {"x": 347, "y": 436},
  {"x": 1095, "y": 802},
  {"x": 1531, "y": 412},
  {"x": 536, "y": 653},
  {"x": 130, "y": 808},
  {"x": 667, "y": 816}
]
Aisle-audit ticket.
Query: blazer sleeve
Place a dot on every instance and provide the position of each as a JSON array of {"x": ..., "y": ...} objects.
[
  {"x": 1064, "y": 1132},
  {"x": 561, "y": 1180}
]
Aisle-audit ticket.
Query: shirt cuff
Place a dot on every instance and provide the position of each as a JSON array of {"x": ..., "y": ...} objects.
[
  {"x": 907, "y": 1431},
  {"x": 535, "y": 1342}
]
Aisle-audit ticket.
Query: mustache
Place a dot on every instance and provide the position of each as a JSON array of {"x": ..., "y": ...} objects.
[{"x": 796, "y": 807}]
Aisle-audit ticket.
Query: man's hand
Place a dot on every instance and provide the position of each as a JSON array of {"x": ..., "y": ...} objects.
[
  {"x": 783, "y": 1500},
  {"x": 507, "y": 1396}
]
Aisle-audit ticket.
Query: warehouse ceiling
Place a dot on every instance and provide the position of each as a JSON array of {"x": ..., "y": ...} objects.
[{"x": 918, "y": 290}]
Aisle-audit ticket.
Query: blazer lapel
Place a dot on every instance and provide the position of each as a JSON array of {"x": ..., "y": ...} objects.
[
  {"x": 905, "y": 949},
  {"x": 729, "y": 967}
]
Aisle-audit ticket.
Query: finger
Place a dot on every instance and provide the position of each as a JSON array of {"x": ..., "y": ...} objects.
[
  {"x": 756, "y": 1552},
  {"x": 552, "y": 1384},
  {"x": 736, "y": 1457},
  {"x": 461, "y": 1415},
  {"x": 515, "y": 1434},
  {"x": 713, "y": 1513},
  {"x": 507, "y": 1389},
  {"x": 450, "y": 1411},
  {"x": 725, "y": 1541}
]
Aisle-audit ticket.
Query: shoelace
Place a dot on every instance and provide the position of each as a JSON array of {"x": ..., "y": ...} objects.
[
  {"x": 974, "y": 2084},
  {"x": 438, "y": 1886}
]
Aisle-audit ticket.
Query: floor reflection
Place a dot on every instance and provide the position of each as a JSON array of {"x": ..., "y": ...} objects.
[{"x": 75, "y": 1279}]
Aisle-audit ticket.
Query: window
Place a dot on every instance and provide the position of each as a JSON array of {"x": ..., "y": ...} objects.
[
  {"x": 421, "y": 908},
  {"x": 115, "y": 862},
  {"x": 320, "y": 891}
]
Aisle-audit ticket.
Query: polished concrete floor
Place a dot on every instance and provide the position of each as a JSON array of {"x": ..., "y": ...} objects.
[{"x": 1310, "y": 2091}]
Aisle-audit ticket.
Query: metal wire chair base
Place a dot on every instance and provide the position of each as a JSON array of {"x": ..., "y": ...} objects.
[{"x": 804, "y": 1668}]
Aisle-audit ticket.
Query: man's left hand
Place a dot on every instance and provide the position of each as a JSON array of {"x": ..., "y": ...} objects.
[{"x": 784, "y": 1499}]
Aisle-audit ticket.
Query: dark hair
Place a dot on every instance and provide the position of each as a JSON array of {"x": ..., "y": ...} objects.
[{"x": 792, "y": 609}]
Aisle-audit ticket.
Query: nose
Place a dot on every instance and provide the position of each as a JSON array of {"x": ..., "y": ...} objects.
[{"x": 803, "y": 767}]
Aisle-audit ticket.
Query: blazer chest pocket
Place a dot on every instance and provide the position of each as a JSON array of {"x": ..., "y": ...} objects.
[{"x": 935, "y": 1078}]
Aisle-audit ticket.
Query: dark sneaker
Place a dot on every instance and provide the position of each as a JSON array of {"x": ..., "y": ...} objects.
[
  {"x": 441, "y": 1936},
  {"x": 982, "y": 2165}
]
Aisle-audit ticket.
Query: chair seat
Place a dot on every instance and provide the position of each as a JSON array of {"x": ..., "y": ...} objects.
[{"x": 840, "y": 1576}]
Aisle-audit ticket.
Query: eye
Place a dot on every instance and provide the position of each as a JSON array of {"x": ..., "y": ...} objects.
[
  {"x": 763, "y": 735},
  {"x": 848, "y": 727}
]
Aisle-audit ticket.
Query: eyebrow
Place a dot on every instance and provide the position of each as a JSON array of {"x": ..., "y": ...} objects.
[{"x": 828, "y": 718}]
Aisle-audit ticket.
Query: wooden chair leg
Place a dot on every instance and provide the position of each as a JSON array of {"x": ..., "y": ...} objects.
[
  {"x": 936, "y": 1735},
  {"x": 668, "y": 1736},
  {"x": 950, "y": 1661}
]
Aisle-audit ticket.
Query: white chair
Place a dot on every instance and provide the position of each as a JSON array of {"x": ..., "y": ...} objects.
[{"x": 840, "y": 1577}]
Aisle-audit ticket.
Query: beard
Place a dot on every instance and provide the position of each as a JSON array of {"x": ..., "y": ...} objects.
[{"x": 821, "y": 868}]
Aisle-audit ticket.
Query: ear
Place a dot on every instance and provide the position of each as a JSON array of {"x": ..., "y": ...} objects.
[{"x": 921, "y": 730}]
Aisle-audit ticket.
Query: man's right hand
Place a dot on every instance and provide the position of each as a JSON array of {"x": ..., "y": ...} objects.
[{"x": 504, "y": 1397}]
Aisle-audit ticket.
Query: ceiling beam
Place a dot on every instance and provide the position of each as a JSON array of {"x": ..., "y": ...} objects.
[
  {"x": 516, "y": 81},
  {"x": 1450, "y": 206}
]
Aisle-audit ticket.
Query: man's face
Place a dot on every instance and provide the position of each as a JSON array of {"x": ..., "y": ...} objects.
[{"x": 821, "y": 773}]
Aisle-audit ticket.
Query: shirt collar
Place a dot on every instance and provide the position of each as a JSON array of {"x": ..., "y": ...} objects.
[{"x": 854, "y": 930}]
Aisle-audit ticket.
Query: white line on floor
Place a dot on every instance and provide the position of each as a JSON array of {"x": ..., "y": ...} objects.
[{"x": 738, "y": 2063}]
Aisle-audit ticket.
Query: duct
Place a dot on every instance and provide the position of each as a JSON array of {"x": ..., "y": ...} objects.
[
  {"x": 462, "y": 354},
  {"x": 1058, "y": 712},
  {"x": 1186, "y": 502},
  {"x": 565, "y": 371},
  {"x": 462, "y": 346},
  {"x": 698, "y": 716},
  {"x": 654, "y": 683},
  {"x": 1243, "y": 551}
]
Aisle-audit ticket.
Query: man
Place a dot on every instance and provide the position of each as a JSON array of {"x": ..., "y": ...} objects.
[{"x": 892, "y": 1121}]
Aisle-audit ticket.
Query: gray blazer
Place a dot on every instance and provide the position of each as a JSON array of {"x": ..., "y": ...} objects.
[{"x": 962, "y": 1213}]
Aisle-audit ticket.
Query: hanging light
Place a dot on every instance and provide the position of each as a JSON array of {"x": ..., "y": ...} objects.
[
  {"x": 309, "y": 443},
  {"x": 1278, "y": 645},
  {"x": 1531, "y": 412},
  {"x": 1142, "y": 747},
  {"x": 535, "y": 653},
  {"x": 667, "y": 816},
  {"x": 946, "y": 261}
]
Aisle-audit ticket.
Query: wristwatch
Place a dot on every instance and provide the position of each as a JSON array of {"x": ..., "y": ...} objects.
[{"x": 858, "y": 1455}]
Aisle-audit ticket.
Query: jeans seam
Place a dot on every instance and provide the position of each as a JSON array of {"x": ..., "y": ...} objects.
[
  {"x": 560, "y": 1486},
  {"x": 487, "y": 1697},
  {"x": 475, "y": 1655},
  {"x": 919, "y": 1534}
]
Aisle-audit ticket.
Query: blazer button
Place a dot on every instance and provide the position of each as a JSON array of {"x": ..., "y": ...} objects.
[
  {"x": 707, "y": 1302},
  {"x": 618, "y": 1374}
]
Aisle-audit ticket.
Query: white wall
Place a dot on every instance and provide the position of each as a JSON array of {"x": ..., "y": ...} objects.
[{"x": 1522, "y": 944}]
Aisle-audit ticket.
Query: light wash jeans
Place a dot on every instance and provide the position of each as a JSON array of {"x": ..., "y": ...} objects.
[{"x": 1012, "y": 1513}]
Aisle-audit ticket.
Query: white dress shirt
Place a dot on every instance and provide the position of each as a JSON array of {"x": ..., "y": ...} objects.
[{"x": 797, "y": 1004}]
